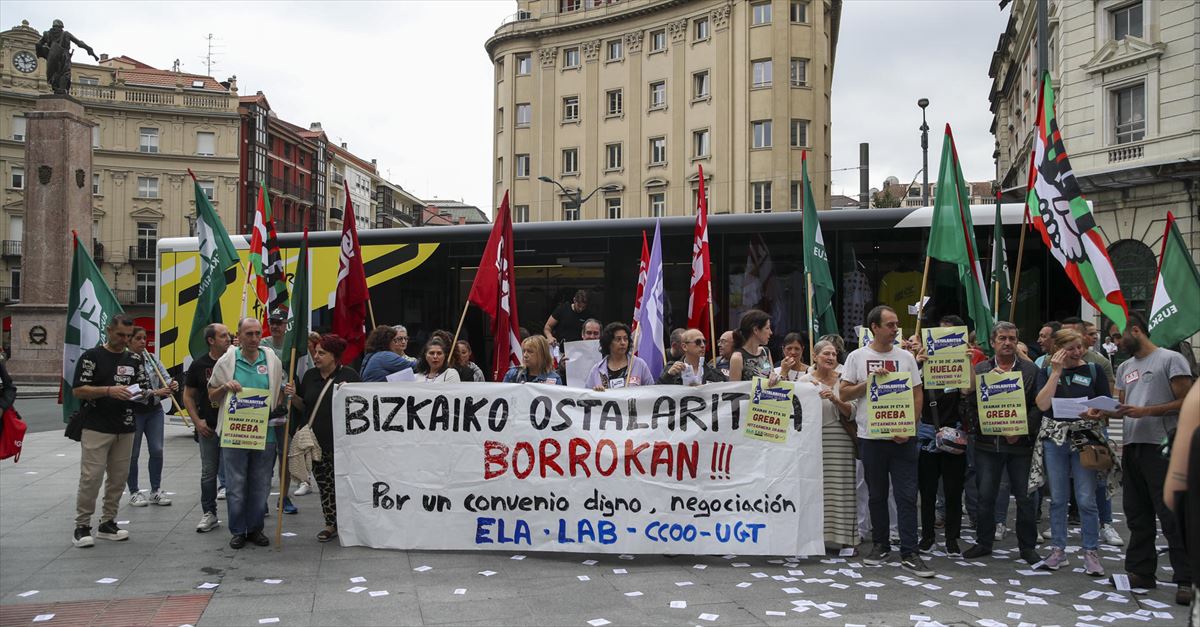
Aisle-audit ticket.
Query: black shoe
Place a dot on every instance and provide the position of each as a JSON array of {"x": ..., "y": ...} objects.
[
  {"x": 925, "y": 545},
  {"x": 109, "y": 530},
  {"x": 237, "y": 542},
  {"x": 258, "y": 538},
  {"x": 1030, "y": 556},
  {"x": 1183, "y": 596},
  {"x": 952, "y": 547},
  {"x": 976, "y": 551},
  {"x": 1142, "y": 581},
  {"x": 915, "y": 565},
  {"x": 878, "y": 555},
  {"x": 83, "y": 538}
]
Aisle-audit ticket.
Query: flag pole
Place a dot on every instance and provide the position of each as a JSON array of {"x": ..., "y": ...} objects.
[
  {"x": 461, "y": 319},
  {"x": 712, "y": 324},
  {"x": 370, "y": 310},
  {"x": 921, "y": 300},
  {"x": 1012, "y": 308},
  {"x": 283, "y": 467},
  {"x": 811, "y": 327},
  {"x": 187, "y": 422}
]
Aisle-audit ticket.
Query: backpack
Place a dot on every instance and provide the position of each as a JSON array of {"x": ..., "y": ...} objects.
[{"x": 12, "y": 435}]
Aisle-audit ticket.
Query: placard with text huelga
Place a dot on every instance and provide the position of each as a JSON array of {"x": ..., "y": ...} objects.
[
  {"x": 502, "y": 466},
  {"x": 947, "y": 360},
  {"x": 890, "y": 407},
  {"x": 1001, "y": 400},
  {"x": 244, "y": 419}
]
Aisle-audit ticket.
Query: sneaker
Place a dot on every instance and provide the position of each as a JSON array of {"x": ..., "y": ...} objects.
[
  {"x": 925, "y": 544},
  {"x": 83, "y": 538},
  {"x": 1109, "y": 536},
  {"x": 208, "y": 522},
  {"x": 303, "y": 489},
  {"x": 1046, "y": 534},
  {"x": 288, "y": 508},
  {"x": 952, "y": 548},
  {"x": 237, "y": 541},
  {"x": 878, "y": 555},
  {"x": 1001, "y": 531},
  {"x": 158, "y": 497},
  {"x": 976, "y": 551},
  {"x": 1030, "y": 556},
  {"x": 109, "y": 530},
  {"x": 1056, "y": 560},
  {"x": 139, "y": 499},
  {"x": 257, "y": 537},
  {"x": 1091, "y": 564},
  {"x": 221, "y": 494},
  {"x": 915, "y": 565}
]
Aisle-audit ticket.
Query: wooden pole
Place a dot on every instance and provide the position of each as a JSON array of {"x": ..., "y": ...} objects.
[
  {"x": 921, "y": 301},
  {"x": 811, "y": 327},
  {"x": 283, "y": 467},
  {"x": 187, "y": 421},
  {"x": 1012, "y": 308},
  {"x": 461, "y": 319},
  {"x": 370, "y": 313},
  {"x": 712, "y": 324}
]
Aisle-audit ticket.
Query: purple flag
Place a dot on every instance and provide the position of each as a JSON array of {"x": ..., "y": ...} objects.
[{"x": 650, "y": 317}]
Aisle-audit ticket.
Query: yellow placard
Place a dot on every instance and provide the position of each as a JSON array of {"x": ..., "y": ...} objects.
[
  {"x": 890, "y": 407},
  {"x": 770, "y": 411},
  {"x": 947, "y": 357},
  {"x": 1001, "y": 400},
  {"x": 244, "y": 419}
]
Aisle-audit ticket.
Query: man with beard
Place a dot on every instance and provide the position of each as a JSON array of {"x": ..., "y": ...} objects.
[{"x": 1152, "y": 385}]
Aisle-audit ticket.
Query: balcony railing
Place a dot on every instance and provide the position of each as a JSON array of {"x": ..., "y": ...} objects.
[
  {"x": 11, "y": 248},
  {"x": 142, "y": 252},
  {"x": 170, "y": 97},
  {"x": 1126, "y": 153},
  {"x": 10, "y": 294},
  {"x": 142, "y": 296},
  {"x": 288, "y": 188}
]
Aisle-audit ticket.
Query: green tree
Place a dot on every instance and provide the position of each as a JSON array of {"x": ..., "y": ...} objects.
[{"x": 885, "y": 199}]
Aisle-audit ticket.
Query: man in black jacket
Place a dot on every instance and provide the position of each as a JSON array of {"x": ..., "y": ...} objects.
[
  {"x": 691, "y": 369},
  {"x": 996, "y": 454}
]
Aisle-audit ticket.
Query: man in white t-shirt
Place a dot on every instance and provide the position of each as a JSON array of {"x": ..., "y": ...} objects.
[{"x": 893, "y": 459}]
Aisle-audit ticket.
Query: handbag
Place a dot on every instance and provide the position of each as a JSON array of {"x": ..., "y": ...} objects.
[
  {"x": 1095, "y": 456},
  {"x": 305, "y": 440},
  {"x": 74, "y": 428},
  {"x": 12, "y": 435},
  {"x": 951, "y": 440}
]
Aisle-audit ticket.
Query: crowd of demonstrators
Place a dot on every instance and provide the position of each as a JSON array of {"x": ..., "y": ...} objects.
[
  {"x": 618, "y": 367},
  {"x": 384, "y": 354},
  {"x": 537, "y": 364},
  {"x": 675, "y": 350},
  {"x": 148, "y": 422},
  {"x": 724, "y": 352},
  {"x": 434, "y": 365},
  {"x": 690, "y": 369},
  {"x": 313, "y": 399}
]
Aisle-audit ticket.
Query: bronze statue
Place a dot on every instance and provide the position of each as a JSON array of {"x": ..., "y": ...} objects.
[{"x": 55, "y": 48}]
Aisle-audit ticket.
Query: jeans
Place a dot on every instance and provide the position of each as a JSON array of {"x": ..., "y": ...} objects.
[
  {"x": 1145, "y": 471},
  {"x": 992, "y": 468},
  {"x": 884, "y": 460},
  {"x": 220, "y": 468},
  {"x": 151, "y": 424},
  {"x": 249, "y": 475},
  {"x": 1062, "y": 465},
  {"x": 210, "y": 459},
  {"x": 950, "y": 469}
]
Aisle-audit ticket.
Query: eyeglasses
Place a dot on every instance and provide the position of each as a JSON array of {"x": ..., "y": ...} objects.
[
  {"x": 400, "y": 338},
  {"x": 700, "y": 342}
]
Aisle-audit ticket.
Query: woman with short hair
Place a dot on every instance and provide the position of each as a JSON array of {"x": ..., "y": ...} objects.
[
  {"x": 384, "y": 354},
  {"x": 434, "y": 366},
  {"x": 618, "y": 368},
  {"x": 538, "y": 365}
]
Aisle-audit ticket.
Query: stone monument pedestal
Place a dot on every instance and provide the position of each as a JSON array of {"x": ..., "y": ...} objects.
[{"x": 58, "y": 198}]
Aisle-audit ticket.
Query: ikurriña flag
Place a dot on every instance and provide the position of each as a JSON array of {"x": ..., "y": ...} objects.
[
  {"x": 700, "y": 293},
  {"x": 494, "y": 291},
  {"x": 1064, "y": 219},
  {"x": 1176, "y": 292},
  {"x": 351, "y": 295}
]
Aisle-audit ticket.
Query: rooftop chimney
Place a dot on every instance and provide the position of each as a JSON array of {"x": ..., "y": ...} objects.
[
  {"x": 344, "y": 147},
  {"x": 103, "y": 56},
  {"x": 315, "y": 126}
]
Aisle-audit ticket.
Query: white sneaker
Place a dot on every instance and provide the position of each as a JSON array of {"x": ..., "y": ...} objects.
[
  {"x": 139, "y": 499},
  {"x": 303, "y": 489},
  {"x": 1046, "y": 534},
  {"x": 208, "y": 522},
  {"x": 1110, "y": 536},
  {"x": 158, "y": 497},
  {"x": 1001, "y": 531},
  {"x": 221, "y": 494}
]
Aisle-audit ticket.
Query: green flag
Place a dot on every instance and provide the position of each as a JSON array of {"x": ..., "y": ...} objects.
[
  {"x": 1001, "y": 290},
  {"x": 217, "y": 255},
  {"x": 952, "y": 239},
  {"x": 91, "y": 304},
  {"x": 296, "y": 336},
  {"x": 822, "y": 320},
  {"x": 1176, "y": 292}
]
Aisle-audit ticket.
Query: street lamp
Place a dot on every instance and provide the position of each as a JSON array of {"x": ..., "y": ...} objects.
[
  {"x": 924, "y": 102},
  {"x": 574, "y": 198}
]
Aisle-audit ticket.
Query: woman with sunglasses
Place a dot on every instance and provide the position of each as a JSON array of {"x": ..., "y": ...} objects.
[{"x": 385, "y": 354}]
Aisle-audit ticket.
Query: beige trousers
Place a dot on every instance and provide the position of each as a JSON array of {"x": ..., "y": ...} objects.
[{"x": 102, "y": 453}]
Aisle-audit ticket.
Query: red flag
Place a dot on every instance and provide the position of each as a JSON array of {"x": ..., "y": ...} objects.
[
  {"x": 350, "y": 304},
  {"x": 494, "y": 292},
  {"x": 701, "y": 286},
  {"x": 641, "y": 285}
]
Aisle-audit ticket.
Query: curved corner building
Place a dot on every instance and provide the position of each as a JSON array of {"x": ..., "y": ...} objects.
[{"x": 637, "y": 94}]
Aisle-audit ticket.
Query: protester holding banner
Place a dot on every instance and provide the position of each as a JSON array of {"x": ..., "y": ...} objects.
[
  {"x": 618, "y": 368},
  {"x": 148, "y": 421},
  {"x": 1064, "y": 433},
  {"x": 792, "y": 366},
  {"x": 998, "y": 454},
  {"x": 434, "y": 366},
  {"x": 690, "y": 369},
  {"x": 205, "y": 419},
  {"x": 750, "y": 357},
  {"x": 538, "y": 365},
  {"x": 887, "y": 461},
  {"x": 463, "y": 359},
  {"x": 313, "y": 398},
  {"x": 243, "y": 375},
  {"x": 384, "y": 354},
  {"x": 837, "y": 448}
]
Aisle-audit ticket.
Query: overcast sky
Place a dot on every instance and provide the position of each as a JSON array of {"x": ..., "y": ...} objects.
[{"x": 409, "y": 83}]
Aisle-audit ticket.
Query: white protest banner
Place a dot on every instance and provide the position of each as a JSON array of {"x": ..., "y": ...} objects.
[
  {"x": 582, "y": 356},
  {"x": 652, "y": 469}
]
